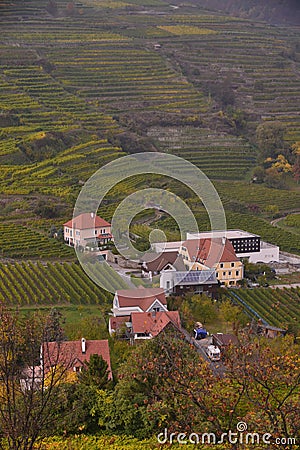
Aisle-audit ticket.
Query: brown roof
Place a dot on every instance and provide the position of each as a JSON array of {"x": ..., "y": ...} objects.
[
  {"x": 86, "y": 221},
  {"x": 158, "y": 261},
  {"x": 69, "y": 353},
  {"x": 153, "y": 323},
  {"x": 142, "y": 297},
  {"x": 225, "y": 339},
  {"x": 210, "y": 251}
]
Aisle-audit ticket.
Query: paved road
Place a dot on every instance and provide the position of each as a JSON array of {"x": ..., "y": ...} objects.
[
  {"x": 274, "y": 222},
  {"x": 217, "y": 367}
]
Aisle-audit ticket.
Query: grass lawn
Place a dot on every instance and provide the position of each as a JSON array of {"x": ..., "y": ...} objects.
[{"x": 78, "y": 320}]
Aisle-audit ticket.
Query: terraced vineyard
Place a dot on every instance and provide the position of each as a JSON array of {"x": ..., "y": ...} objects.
[
  {"x": 73, "y": 82},
  {"x": 261, "y": 61},
  {"x": 21, "y": 242},
  {"x": 217, "y": 155},
  {"x": 36, "y": 284},
  {"x": 62, "y": 174},
  {"x": 67, "y": 74},
  {"x": 253, "y": 194},
  {"x": 278, "y": 307}
]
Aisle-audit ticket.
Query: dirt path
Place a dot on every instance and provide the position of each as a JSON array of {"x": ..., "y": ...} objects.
[{"x": 275, "y": 221}]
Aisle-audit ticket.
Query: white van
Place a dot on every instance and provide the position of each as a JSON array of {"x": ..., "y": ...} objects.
[{"x": 213, "y": 352}]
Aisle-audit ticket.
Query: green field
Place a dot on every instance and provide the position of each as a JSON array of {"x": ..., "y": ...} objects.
[
  {"x": 30, "y": 283},
  {"x": 278, "y": 307}
]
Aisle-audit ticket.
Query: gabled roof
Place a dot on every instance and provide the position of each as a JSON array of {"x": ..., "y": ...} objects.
[
  {"x": 153, "y": 323},
  {"x": 69, "y": 353},
  {"x": 210, "y": 251},
  {"x": 141, "y": 297},
  {"x": 86, "y": 221},
  {"x": 155, "y": 262}
]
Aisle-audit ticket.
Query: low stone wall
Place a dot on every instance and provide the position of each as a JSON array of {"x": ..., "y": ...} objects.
[{"x": 121, "y": 261}]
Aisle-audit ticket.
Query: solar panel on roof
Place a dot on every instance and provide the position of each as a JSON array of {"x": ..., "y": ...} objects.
[{"x": 194, "y": 276}]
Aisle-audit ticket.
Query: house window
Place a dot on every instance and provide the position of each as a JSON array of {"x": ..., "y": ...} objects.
[
  {"x": 217, "y": 274},
  {"x": 157, "y": 309},
  {"x": 77, "y": 233},
  {"x": 221, "y": 265},
  {"x": 168, "y": 285},
  {"x": 229, "y": 273},
  {"x": 67, "y": 230},
  {"x": 224, "y": 274},
  {"x": 71, "y": 233},
  {"x": 96, "y": 232},
  {"x": 232, "y": 264},
  {"x": 237, "y": 273}
]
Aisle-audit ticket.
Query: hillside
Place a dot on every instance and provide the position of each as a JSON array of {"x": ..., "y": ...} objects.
[
  {"x": 273, "y": 11},
  {"x": 84, "y": 83}
]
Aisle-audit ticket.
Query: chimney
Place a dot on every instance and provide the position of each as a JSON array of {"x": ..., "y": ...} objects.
[
  {"x": 223, "y": 240},
  {"x": 92, "y": 215},
  {"x": 83, "y": 345}
]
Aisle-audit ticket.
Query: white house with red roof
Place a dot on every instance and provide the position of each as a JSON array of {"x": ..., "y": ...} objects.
[
  {"x": 127, "y": 301},
  {"x": 87, "y": 228},
  {"x": 148, "y": 325},
  {"x": 213, "y": 253},
  {"x": 143, "y": 325},
  {"x": 72, "y": 355}
]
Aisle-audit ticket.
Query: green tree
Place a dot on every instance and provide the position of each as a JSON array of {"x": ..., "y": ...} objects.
[
  {"x": 203, "y": 308},
  {"x": 54, "y": 326},
  {"x": 268, "y": 371},
  {"x": 95, "y": 373},
  {"x": 231, "y": 314},
  {"x": 28, "y": 393},
  {"x": 269, "y": 138}
]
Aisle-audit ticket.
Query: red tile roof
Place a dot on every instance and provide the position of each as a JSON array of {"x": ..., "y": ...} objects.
[
  {"x": 86, "y": 221},
  {"x": 210, "y": 251},
  {"x": 153, "y": 323},
  {"x": 142, "y": 297},
  {"x": 69, "y": 353}
]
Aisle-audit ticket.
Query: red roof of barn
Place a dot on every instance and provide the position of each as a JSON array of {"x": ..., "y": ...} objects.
[
  {"x": 69, "y": 353},
  {"x": 86, "y": 221},
  {"x": 153, "y": 323},
  {"x": 142, "y": 297}
]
